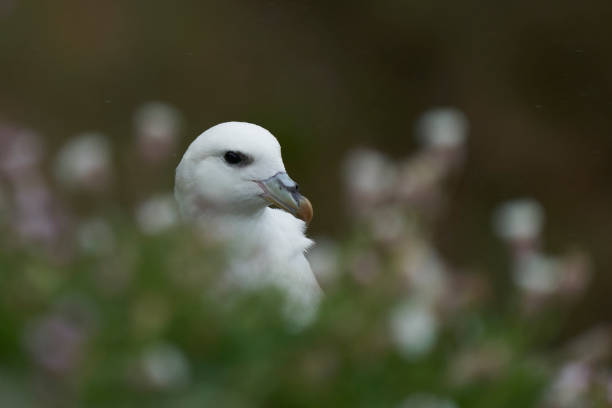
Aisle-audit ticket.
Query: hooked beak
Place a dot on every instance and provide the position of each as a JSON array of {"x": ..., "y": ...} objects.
[{"x": 281, "y": 191}]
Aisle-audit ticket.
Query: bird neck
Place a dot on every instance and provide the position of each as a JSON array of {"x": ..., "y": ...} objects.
[
  {"x": 225, "y": 226},
  {"x": 267, "y": 227}
]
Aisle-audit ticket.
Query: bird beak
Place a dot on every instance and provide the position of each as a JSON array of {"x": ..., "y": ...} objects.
[{"x": 281, "y": 191}]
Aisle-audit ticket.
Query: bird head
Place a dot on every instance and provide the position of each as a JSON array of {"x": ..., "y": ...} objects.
[{"x": 236, "y": 168}]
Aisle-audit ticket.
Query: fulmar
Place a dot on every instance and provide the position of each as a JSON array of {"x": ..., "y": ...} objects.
[{"x": 232, "y": 183}]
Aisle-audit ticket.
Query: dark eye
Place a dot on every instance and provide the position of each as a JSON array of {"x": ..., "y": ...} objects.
[{"x": 236, "y": 158}]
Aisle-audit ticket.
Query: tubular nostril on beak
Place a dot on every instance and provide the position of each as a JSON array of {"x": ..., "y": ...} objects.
[
  {"x": 293, "y": 188},
  {"x": 285, "y": 182}
]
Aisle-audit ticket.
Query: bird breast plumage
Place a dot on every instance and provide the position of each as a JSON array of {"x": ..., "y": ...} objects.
[{"x": 270, "y": 251}]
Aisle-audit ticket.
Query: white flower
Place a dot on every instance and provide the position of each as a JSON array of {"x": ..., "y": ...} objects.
[
  {"x": 165, "y": 366},
  {"x": 370, "y": 177},
  {"x": 414, "y": 328},
  {"x": 55, "y": 343},
  {"x": 442, "y": 127},
  {"x": 21, "y": 155},
  {"x": 95, "y": 236},
  {"x": 85, "y": 162},
  {"x": 419, "y": 179},
  {"x": 425, "y": 270},
  {"x": 388, "y": 225},
  {"x": 157, "y": 214},
  {"x": 34, "y": 219},
  {"x": 593, "y": 346},
  {"x": 538, "y": 273},
  {"x": 570, "y": 386},
  {"x": 519, "y": 220},
  {"x": 157, "y": 126}
]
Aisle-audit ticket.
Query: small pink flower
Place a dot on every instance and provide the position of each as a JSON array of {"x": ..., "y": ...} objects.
[
  {"x": 84, "y": 163},
  {"x": 157, "y": 127},
  {"x": 55, "y": 344},
  {"x": 20, "y": 154},
  {"x": 370, "y": 179}
]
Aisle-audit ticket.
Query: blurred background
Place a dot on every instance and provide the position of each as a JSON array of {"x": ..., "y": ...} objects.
[{"x": 531, "y": 83}]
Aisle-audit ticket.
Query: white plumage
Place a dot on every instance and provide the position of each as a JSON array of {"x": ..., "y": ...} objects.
[{"x": 225, "y": 182}]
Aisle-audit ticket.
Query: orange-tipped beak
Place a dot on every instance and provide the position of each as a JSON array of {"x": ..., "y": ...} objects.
[{"x": 280, "y": 190}]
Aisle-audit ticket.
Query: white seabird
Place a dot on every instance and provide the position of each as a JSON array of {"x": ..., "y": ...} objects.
[{"x": 225, "y": 182}]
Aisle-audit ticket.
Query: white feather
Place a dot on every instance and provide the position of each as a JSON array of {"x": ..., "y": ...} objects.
[{"x": 266, "y": 245}]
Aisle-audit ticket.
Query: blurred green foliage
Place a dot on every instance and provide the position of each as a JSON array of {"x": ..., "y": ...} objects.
[{"x": 158, "y": 337}]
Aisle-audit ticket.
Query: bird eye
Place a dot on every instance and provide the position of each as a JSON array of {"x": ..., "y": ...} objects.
[{"x": 235, "y": 158}]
